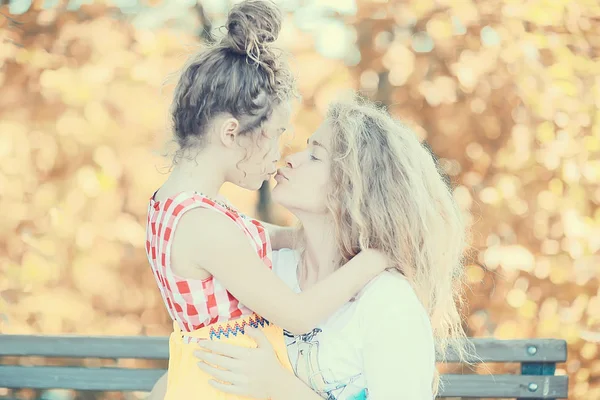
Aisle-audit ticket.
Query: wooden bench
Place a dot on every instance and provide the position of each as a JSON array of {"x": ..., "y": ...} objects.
[{"x": 538, "y": 358}]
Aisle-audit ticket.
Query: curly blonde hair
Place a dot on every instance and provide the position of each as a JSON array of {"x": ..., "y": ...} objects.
[{"x": 388, "y": 193}]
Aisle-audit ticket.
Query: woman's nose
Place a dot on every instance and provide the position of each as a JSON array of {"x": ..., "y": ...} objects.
[
  {"x": 290, "y": 161},
  {"x": 295, "y": 160}
]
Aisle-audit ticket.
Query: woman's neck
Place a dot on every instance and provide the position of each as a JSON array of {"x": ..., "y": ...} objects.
[
  {"x": 320, "y": 249},
  {"x": 200, "y": 174}
]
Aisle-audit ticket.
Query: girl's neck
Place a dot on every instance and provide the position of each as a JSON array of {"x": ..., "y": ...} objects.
[{"x": 201, "y": 174}]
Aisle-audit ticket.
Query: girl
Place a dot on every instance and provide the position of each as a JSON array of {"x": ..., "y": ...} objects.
[
  {"x": 211, "y": 263},
  {"x": 380, "y": 188}
]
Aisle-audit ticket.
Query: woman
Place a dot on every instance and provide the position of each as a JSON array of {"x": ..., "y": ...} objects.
[
  {"x": 212, "y": 263},
  {"x": 363, "y": 181}
]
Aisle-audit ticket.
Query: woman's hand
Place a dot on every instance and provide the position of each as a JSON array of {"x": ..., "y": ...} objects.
[{"x": 247, "y": 371}]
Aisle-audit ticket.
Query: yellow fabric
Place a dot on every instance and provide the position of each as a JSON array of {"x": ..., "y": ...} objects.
[{"x": 187, "y": 381}]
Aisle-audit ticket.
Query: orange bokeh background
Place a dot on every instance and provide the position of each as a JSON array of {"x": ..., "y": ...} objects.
[{"x": 506, "y": 93}]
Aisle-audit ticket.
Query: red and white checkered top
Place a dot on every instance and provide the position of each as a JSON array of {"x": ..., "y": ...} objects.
[{"x": 194, "y": 303}]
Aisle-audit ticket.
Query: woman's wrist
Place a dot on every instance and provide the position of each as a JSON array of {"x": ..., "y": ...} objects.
[
  {"x": 287, "y": 386},
  {"x": 279, "y": 384}
]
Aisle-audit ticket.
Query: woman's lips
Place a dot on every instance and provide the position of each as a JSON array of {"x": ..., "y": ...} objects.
[{"x": 280, "y": 176}]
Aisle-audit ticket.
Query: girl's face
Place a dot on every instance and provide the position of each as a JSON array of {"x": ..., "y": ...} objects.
[
  {"x": 260, "y": 152},
  {"x": 304, "y": 182}
]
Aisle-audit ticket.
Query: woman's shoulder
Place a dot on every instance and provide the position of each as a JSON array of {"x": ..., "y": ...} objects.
[
  {"x": 390, "y": 294},
  {"x": 386, "y": 286}
]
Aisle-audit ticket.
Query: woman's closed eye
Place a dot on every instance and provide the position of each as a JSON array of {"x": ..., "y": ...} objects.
[{"x": 313, "y": 158}]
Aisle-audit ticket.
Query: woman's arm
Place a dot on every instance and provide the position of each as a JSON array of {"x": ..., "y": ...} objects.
[
  {"x": 255, "y": 373},
  {"x": 225, "y": 252},
  {"x": 160, "y": 388},
  {"x": 288, "y": 386}
]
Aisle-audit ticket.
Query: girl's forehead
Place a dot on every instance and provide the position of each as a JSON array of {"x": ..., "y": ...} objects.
[{"x": 283, "y": 111}]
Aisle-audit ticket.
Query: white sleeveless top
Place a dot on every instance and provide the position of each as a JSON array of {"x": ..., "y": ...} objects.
[{"x": 378, "y": 347}]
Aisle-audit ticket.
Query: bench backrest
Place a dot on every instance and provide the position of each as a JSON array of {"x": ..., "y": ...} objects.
[{"x": 538, "y": 358}]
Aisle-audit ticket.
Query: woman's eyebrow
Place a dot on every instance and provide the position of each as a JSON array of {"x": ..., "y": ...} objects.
[{"x": 315, "y": 143}]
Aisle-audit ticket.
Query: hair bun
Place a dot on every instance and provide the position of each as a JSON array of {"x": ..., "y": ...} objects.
[{"x": 252, "y": 25}]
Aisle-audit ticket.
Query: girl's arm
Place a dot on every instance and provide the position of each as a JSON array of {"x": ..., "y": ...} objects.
[
  {"x": 282, "y": 237},
  {"x": 214, "y": 243}
]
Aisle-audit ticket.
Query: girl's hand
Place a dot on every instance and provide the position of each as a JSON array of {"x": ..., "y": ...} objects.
[
  {"x": 247, "y": 372},
  {"x": 376, "y": 260}
]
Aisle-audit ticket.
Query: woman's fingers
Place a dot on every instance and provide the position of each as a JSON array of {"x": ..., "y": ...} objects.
[
  {"x": 225, "y": 349},
  {"x": 259, "y": 336},
  {"x": 220, "y": 374},
  {"x": 233, "y": 389},
  {"x": 217, "y": 360}
]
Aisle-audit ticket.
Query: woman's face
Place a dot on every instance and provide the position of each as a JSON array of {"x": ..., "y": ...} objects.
[{"x": 303, "y": 184}]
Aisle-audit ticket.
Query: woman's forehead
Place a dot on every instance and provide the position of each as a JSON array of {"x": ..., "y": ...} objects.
[{"x": 322, "y": 134}]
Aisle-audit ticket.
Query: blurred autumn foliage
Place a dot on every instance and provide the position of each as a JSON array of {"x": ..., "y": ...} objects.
[{"x": 507, "y": 94}]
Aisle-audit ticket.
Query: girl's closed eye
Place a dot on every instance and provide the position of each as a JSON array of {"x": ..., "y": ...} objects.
[{"x": 313, "y": 158}]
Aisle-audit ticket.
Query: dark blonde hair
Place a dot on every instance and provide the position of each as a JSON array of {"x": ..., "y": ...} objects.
[
  {"x": 242, "y": 74},
  {"x": 388, "y": 193}
]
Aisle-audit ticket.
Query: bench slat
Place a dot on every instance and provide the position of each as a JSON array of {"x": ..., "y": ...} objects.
[
  {"x": 156, "y": 347},
  {"x": 140, "y": 347},
  {"x": 503, "y": 386},
  {"x": 79, "y": 378},
  {"x": 528, "y": 350},
  {"x": 118, "y": 379}
]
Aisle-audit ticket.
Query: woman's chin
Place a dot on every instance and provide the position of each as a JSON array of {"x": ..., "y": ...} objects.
[{"x": 279, "y": 195}]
